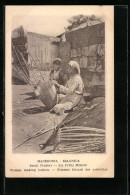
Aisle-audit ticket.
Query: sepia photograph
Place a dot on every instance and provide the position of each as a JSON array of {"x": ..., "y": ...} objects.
[{"x": 59, "y": 72}]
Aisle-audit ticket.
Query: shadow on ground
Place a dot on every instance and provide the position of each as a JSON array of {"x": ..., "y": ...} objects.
[
  {"x": 32, "y": 94},
  {"x": 35, "y": 110}
]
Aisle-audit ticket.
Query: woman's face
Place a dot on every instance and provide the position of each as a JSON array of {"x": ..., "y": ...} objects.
[
  {"x": 56, "y": 67},
  {"x": 70, "y": 70}
]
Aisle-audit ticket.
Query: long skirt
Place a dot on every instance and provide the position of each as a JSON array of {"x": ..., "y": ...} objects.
[{"x": 67, "y": 102}]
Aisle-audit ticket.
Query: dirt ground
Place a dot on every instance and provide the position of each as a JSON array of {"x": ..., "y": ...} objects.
[
  {"x": 92, "y": 142},
  {"x": 91, "y": 118},
  {"x": 30, "y": 117}
]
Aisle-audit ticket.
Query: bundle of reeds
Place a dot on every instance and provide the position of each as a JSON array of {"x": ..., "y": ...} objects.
[{"x": 79, "y": 139}]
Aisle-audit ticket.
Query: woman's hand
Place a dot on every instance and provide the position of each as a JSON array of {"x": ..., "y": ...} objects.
[
  {"x": 37, "y": 91},
  {"x": 55, "y": 83}
]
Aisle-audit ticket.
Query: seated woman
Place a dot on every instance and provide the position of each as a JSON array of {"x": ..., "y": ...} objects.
[
  {"x": 57, "y": 73},
  {"x": 71, "y": 94}
]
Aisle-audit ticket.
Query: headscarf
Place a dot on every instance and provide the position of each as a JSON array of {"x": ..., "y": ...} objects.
[
  {"x": 57, "y": 60},
  {"x": 74, "y": 64}
]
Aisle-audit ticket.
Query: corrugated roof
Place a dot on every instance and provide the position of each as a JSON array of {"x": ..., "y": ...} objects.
[
  {"x": 85, "y": 24},
  {"x": 86, "y": 36}
]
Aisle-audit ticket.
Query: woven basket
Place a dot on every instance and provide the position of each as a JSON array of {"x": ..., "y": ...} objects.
[{"x": 48, "y": 94}]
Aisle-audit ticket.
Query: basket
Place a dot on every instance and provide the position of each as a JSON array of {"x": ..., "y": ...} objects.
[{"x": 48, "y": 94}]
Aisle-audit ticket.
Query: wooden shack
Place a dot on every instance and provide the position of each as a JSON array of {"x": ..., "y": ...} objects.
[
  {"x": 43, "y": 49},
  {"x": 86, "y": 45}
]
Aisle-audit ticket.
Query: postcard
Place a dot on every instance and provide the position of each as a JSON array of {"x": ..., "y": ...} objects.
[{"x": 59, "y": 91}]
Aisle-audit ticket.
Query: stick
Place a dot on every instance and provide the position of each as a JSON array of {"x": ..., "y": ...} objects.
[
  {"x": 77, "y": 115},
  {"x": 65, "y": 122},
  {"x": 82, "y": 127},
  {"x": 72, "y": 128},
  {"x": 31, "y": 137},
  {"x": 81, "y": 142},
  {"x": 78, "y": 146},
  {"x": 80, "y": 135},
  {"x": 65, "y": 139},
  {"x": 34, "y": 75},
  {"x": 78, "y": 150},
  {"x": 24, "y": 73},
  {"x": 25, "y": 63}
]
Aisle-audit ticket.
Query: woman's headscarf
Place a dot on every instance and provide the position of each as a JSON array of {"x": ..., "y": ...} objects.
[
  {"x": 57, "y": 61},
  {"x": 74, "y": 64}
]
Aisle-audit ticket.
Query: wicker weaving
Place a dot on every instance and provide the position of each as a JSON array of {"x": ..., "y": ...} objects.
[{"x": 48, "y": 94}]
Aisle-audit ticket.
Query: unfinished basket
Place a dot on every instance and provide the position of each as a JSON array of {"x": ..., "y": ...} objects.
[{"x": 48, "y": 94}]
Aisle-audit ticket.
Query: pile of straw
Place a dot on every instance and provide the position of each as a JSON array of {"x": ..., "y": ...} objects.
[{"x": 79, "y": 139}]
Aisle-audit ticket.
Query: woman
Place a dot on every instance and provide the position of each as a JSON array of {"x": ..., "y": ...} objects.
[
  {"x": 71, "y": 94},
  {"x": 45, "y": 90},
  {"x": 57, "y": 73}
]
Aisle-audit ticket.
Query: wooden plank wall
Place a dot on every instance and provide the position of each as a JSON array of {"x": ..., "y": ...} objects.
[{"x": 41, "y": 48}]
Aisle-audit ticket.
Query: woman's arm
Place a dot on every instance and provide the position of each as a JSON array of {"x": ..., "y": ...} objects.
[
  {"x": 63, "y": 76},
  {"x": 51, "y": 73},
  {"x": 68, "y": 90}
]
